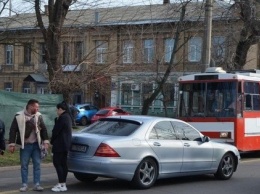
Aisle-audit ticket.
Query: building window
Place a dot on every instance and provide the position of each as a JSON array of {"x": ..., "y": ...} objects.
[
  {"x": 148, "y": 51},
  {"x": 41, "y": 53},
  {"x": 168, "y": 49},
  {"x": 101, "y": 51},
  {"x": 195, "y": 45},
  {"x": 78, "y": 51},
  {"x": 66, "y": 53},
  {"x": 147, "y": 89},
  {"x": 128, "y": 50},
  {"x": 9, "y": 51},
  {"x": 8, "y": 86},
  {"x": 26, "y": 87},
  {"x": 126, "y": 94},
  {"x": 27, "y": 54},
  {"x": 218, "y": 48},
  {"x": 42, "y": 90},
  {"x": 168, "y": 94}
]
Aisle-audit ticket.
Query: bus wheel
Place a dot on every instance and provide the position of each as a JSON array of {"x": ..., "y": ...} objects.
[{"x": 226, "y": 167}]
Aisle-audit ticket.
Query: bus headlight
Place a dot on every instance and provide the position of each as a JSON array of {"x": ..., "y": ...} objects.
[{"x": 225, "y": 135}]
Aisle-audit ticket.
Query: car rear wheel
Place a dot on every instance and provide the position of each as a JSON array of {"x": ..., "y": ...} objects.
[
  {"x": 226, "y": 167},
  {"x": 85, "y": 177},
  {"x": 84, "y": 121},
  {"x": 146, "y": 174}
]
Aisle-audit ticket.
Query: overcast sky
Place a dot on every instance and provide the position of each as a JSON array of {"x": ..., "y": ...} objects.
[{"x": 19, "y": 6}]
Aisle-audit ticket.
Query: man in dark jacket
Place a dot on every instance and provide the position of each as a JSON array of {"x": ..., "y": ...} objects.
[
  {"x": 61, "y": 140},
  {"x": 29, "y": 132},
  {"x": 2, "y": 137}
]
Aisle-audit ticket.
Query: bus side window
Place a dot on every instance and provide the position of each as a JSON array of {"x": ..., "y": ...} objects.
[
  {"x": 248, "y": 102},
  {"x": 256, "y": 102}
]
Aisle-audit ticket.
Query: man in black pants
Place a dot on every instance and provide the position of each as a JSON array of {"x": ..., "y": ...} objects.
[
  {"x": 2, "y": 137},
  {"x": 61, "y": 140}
]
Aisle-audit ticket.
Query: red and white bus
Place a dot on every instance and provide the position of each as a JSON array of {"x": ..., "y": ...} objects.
[{"x": 223, "y": 105}]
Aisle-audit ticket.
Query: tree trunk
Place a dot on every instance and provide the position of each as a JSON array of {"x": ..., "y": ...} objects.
[{"x": 148, "y": 101}]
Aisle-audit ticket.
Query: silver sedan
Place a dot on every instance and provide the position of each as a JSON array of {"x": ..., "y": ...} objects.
[{"x": 142, "y": 149}]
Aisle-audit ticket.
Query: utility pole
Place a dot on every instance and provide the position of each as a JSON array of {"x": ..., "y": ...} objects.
[
  {"x": 10, "y": 8},
  {"x": 206, "y": 52}
]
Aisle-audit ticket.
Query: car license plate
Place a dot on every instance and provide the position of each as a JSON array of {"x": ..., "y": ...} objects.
[{"x": 79, "y": 148}]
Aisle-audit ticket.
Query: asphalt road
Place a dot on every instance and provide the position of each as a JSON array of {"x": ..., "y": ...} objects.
[{"x": 245, "y": 181}]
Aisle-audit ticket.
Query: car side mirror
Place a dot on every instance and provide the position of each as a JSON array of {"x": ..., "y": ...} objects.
[{"x": 205, "y": 139}]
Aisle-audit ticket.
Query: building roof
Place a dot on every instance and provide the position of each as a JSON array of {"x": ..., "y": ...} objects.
[
  {"x": 36, "y": 78},
  {"x": 127, "y": 15}
]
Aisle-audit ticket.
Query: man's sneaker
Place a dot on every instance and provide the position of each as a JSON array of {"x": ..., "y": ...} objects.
[
  {"x": 37, "y": 188},
  {"x": 24, "y": 188},
  {"x": 59, "y": 187}
]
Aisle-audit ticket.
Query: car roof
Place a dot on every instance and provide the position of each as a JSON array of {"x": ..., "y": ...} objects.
[
  {"x": 85, "y": 104},
  {"x": 110, "y": 108},
  {"x": 144, "y": 118}
]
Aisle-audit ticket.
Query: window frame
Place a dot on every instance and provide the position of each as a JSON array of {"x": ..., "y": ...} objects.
[
  {"x": 26, "y": 87},
  {"x": 79, "y": 49},
  {"x": 27, "y": 59},
  {"x": 168, "y": 49},
  {"x": 219, "y": 47},
  {"x": 195, "y": 49},
  {"x": 66, "y": 53},
  {"x": 128, "y": 51},
  {"x": 8, "y": 86},
  {"x": 148, "y": 51},
  {"x": 101, "y": 51},
  {"x": 42, "y": 47},
  {"x": 9, "y": 54}
]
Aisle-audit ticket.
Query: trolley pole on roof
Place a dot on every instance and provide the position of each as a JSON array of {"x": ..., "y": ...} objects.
[{"x": 206, "y": 52}]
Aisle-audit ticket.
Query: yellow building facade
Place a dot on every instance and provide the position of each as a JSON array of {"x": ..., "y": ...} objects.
[{"x": 132, "y": 47}]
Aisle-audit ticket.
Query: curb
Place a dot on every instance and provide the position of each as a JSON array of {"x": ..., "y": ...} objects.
[{"x": 7, "y": 168}]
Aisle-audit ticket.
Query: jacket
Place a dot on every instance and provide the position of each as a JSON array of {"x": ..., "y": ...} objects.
[
  {"x": 62, "y": 133},
  {"x": 17, "y": 130},
  {"x": 2, "y": 135}
]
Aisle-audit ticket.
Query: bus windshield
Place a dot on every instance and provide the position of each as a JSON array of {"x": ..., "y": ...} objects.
[{"x": 210, "y": 99}]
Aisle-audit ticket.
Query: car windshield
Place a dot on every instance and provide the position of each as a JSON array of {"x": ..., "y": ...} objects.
[{"x": 114, "y": 127}]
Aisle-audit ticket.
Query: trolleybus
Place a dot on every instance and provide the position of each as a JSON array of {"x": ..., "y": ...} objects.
[{"x": 223, "y": 105}]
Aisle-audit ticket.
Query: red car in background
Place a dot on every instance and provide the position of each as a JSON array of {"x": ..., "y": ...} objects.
[{"x": 108, "y": 111}]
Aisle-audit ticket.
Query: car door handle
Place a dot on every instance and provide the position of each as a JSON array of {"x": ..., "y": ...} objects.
[
  {"x": 186, "y": 145},
  {"x": 156, "y": 144}
]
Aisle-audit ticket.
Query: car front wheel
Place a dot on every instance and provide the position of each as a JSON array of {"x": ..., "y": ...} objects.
[
  {"x": 146, "y": 174},
  {"x": 85, "y": 177},
  {"x": 226, "y": 167},
  {"x": 84, "y": 121}
]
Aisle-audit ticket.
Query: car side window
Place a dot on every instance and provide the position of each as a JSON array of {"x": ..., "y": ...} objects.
[
  {"x": 92, "y": 108},
  {"x": 118, "y": 110},
  {"x": 163, "y": 130},
  {"x": 87, "y": 108},
  {"x": 185, "y": 132}
]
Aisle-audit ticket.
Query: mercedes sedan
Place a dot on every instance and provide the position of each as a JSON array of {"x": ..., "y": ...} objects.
[{"x": 143, "y": 149}]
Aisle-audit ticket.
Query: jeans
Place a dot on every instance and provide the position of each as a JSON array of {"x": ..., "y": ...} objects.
[{"x": 30, "y": 151}]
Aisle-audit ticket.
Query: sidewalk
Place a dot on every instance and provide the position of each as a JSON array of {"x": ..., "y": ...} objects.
[{"x": 7, "y": 168}]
